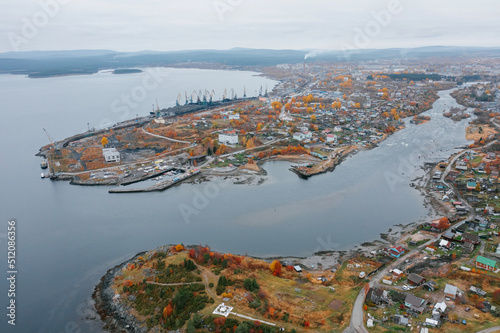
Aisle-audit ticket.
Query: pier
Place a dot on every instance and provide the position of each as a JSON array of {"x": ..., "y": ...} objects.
[{"x": 158, "y": 187}]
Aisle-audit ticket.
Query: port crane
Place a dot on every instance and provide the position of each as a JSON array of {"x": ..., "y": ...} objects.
[
  {"x": 56, "y": 147},
  {"x": 212, "y": 96}
]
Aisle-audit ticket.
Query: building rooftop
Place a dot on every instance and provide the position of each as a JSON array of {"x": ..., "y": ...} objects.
[{"x": 486, "y": 261}]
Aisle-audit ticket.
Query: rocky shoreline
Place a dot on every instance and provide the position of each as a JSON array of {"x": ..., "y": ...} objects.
[{"x": 112, "y": 313}]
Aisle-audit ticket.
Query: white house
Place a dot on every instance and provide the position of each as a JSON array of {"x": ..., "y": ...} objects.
[
  {"x": 301, "y": 136},
  {"x": 234, "y": 116},
  {"x": 228, "y": 137},
  {"x": 331, "y": 138},
  {"x": 111, "y": 155}
]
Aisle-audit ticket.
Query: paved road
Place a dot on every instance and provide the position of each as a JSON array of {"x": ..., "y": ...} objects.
[
  {"x": 173, "y": 284},
  {"x": 357, "y": 323},
  {"x": 248, "y": 149},
  {"x": 490, "y": 330},
  {"x": 164, "y": 137}
]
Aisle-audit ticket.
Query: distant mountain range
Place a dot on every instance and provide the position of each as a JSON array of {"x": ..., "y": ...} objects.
[{"x": 52, "y": 63}]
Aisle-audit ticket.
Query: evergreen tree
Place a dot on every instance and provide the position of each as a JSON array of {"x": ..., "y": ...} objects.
[{"x": 190, "y": 327}]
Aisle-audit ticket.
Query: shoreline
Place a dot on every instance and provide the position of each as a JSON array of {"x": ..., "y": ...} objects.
[{"x": 115, "y": 318}]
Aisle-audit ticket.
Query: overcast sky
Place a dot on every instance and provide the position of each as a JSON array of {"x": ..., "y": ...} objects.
[{"x": 164, "y": 25}]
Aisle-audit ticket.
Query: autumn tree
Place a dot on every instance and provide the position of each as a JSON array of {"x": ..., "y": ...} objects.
[
  {"x": 443, "y": 224},
  {"x": 222, "y": 149},
  {"x": 167, "y": 311},
  {"x": 276, "y": 268},
  {"x": 487, "y": 168},
  {"x": 276, "y": 105},
  {"x": 104, "y": 141},
  {"x": 220, "y": 321},
  {"x": 250, "y": 143},
  {"x": 496, "y": 296}
]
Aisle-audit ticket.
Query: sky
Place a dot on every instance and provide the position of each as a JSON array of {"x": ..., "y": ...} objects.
[{"x": 167, "y": 25}]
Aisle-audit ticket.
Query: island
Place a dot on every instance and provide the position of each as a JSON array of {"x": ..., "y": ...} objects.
[{"x": 127, "y": 71}]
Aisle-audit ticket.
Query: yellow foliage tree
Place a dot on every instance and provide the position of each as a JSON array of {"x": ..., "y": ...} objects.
[
  {"x": 104, "y": 141},
  {"x": 250, "y": 143}
]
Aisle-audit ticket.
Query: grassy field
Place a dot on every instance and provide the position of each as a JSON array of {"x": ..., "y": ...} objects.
[{"x": 288, "y": 299}]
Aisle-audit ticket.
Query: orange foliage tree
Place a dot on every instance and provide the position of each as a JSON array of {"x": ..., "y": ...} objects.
[
  {"x": 167, "y": 311},
  {"x": 275, "y": 268}
]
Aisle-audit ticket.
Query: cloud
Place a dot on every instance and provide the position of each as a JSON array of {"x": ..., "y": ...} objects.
[{"x": 128, "y": 25}]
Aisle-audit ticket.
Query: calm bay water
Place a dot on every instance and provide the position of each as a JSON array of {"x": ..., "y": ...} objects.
[{"x": 68, "y": 236}]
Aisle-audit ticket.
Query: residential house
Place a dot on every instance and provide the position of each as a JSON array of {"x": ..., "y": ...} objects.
[
  {"x": 438, "y": 310},
  {"x": 415, "y": 279},
  {"x": 470, "y": 238},
  {"x": 444, "y": 244},
  {"x": 396, "y": 272},
  {"x": 431, "y": 322},
  {"x": 396, "y": 251},
  {"x": 331, "y": 138},
  {"x": 302, "y": 136},
  {"x": 485, "y": 263},
  {"x": 415, "y": 303},
  {"x": 229, "y": 137},
  {"x": 400, "y": 320},
  {"x": 468, "y": 248},
  {"x": 448, "y": 235},
  {"x": 482, "y": 222},
  {"x": 377, "y": 296},
  {"x": 471, "y": 185},
  {"x": 234, "y": 116},
  {"x": 450, "y": 291},
  {"x": 461, "y": 166},
  {"x": 461, "y": 228}
]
